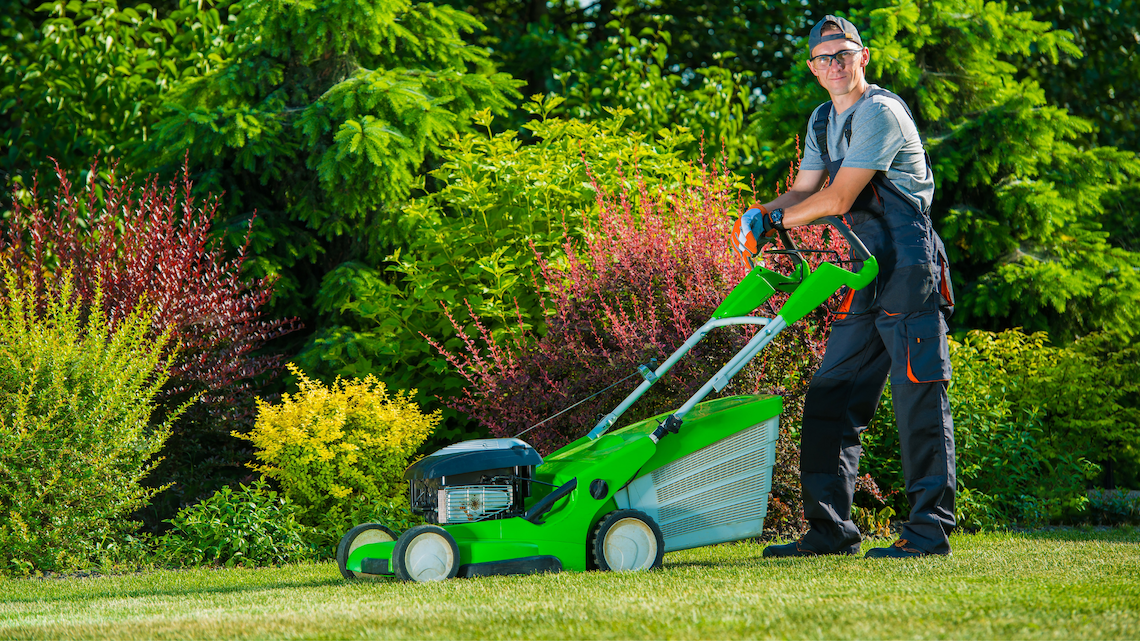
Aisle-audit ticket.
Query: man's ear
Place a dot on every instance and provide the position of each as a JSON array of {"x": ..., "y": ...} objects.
[{"x": 811, "y": 68}]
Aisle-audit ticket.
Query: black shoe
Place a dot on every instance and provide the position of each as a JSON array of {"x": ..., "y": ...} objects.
[
  {"x": 900, "y": 549},
  {"x": 797, "y": 548}
]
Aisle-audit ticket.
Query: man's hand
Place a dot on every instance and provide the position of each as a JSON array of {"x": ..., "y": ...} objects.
[
  {"x": 758, "y": 220},
  {"x": 748, "y": 235},
  {"x": 765, "y": 223}
]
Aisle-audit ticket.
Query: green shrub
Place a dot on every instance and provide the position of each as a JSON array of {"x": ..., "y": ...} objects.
[
  {"x": 251, "y": 526},
  {"x": 1114, "y": 507},
  {"x": 1007, "y": 471},
  {"x": 76, "y": 395},
  {"x": 339, "y": 452},
  {"x": 473, "y": 238},
  {"x": 1090, "y": 394}
]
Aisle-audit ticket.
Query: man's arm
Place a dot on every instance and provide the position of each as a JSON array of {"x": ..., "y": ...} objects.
[
  {"x": 808, "y": 182},
  {"x": 805, "y": 202}
]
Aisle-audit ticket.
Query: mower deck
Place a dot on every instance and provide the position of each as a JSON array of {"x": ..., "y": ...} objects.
[{"x": 603, "y": 470}]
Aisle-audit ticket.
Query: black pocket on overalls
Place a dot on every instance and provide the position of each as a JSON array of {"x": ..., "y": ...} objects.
[{"x": 927, "y": 350}]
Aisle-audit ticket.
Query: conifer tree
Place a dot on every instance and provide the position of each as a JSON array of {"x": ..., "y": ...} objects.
[
  {"x": 534, "y": 39},
  {"x": 1101, "y": 84},
  {"x": 320, "y": 117},
  {"x": 1019, "y": 203}
]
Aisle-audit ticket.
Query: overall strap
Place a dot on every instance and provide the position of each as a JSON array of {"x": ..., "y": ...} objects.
[{"x": 819, "y": 128}]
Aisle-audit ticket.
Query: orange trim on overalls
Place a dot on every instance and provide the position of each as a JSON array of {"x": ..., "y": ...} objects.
[
  {"x": 946, "y": 287},
  {"x": 845, "y": 305},
  {"x": 910, "y": 372}
]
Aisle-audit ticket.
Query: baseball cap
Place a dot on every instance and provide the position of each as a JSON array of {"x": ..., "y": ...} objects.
[{"x": 847, "y": 32}]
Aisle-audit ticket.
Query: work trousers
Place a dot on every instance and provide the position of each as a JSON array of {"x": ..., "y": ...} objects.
[{"x": 864, "y": 350}]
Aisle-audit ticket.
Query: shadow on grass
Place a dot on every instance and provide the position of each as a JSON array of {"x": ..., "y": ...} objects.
[
  {"x": 751, "y": 562},
  {"x": 1101, "y": 533},
  {"x": 681, "y": 565},
  {"x": 100, "y": 592}
]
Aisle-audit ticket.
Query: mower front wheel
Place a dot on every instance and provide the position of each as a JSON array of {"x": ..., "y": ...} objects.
[
  {"x": 426, "y": 553},
  {"x": 356, "y": 537},
  {"x": 628, "y": 540}
]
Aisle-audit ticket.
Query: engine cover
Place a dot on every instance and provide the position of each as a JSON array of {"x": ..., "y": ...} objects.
[
  {"x": 473, "y": 480},
  {"x": 474, "y": 456}
]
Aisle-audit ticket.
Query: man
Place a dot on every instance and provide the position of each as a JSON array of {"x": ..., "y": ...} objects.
[{"x": 866, "y": 141}]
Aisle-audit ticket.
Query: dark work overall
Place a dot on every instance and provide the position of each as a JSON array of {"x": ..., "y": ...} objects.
[{"x": 893, "y": 328}]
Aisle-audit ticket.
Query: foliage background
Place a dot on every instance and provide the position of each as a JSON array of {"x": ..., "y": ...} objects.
[{"x": 392, "y": 168}]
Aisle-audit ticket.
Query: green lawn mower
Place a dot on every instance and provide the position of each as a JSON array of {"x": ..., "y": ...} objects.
[{"x": 615, "y": 501}]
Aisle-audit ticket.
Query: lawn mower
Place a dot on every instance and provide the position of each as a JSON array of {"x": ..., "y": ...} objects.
[{"x": 616, "y": 501}]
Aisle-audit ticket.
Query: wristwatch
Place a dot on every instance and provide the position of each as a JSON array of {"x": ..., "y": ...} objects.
[{"x": 777, "y": 217}]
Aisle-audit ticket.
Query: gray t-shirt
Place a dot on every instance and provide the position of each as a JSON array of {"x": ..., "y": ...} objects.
[{"x": 884, "y": 138}]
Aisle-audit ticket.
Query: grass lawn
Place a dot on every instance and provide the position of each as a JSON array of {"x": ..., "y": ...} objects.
[{"x": 1050, "y": 584}]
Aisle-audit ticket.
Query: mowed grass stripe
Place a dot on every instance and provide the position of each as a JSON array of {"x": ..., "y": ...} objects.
[{"x": 1058, "y": 584}]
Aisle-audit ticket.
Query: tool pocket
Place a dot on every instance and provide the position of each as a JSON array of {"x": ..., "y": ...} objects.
[{"x": 927, "y": 350}]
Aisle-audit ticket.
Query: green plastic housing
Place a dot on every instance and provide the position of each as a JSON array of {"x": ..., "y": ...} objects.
[
  {"x": 808, "y": 291},
  {"x": 616, "y": 458}
]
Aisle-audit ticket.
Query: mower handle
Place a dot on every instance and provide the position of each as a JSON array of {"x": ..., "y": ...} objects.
[{"x": 857, "y": 245}]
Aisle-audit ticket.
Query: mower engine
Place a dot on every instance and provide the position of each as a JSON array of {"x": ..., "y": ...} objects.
[{"x": 473, "y": 481}]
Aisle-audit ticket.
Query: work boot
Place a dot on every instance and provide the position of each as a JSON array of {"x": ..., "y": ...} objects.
[
  {"x": 900, "y": 549},
  {"x": 798, "y": 548}
]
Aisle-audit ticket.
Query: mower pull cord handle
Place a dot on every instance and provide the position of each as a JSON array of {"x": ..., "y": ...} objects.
[{"x": 548, "y": 501}]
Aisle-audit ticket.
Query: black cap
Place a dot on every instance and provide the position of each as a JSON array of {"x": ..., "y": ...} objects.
[{"x": 848, "y": 32}]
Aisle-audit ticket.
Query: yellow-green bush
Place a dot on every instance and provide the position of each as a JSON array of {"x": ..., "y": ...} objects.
[
  {"x": 340, "y": 451},
  {"x": 76, "y": 396}
]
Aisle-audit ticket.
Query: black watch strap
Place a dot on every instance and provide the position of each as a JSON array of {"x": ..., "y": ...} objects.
[{"x": 777, "y": 217}]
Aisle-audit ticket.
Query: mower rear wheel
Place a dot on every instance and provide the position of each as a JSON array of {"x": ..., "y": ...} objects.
[
  {"x": 628, "y": 540},
  {"x": 356, "y": 537},
  {"x": 426, "y": 553}
]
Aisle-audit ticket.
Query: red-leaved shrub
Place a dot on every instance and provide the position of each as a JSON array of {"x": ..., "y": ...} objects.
[
  {"x": 652, "y": 269},
  {"x": 153, "y": 241}
]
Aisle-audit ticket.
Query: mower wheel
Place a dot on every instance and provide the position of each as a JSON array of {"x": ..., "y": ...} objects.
[
  {"x": 426, "y": 553},
  {"x": 628, "y": 540},
  {"x": 356, "y": 537}
]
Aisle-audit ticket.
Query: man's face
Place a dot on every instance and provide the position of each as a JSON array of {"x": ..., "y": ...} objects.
[{"x": 839, "y": 79}]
